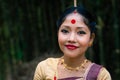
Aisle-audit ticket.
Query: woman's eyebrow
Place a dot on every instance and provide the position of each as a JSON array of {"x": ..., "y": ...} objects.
[
  {"x": 82, "y": 28},
  {"x": 65, "y": 26}
]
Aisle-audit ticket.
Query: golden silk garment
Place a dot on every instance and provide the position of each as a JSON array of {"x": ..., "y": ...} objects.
[{"x": 47, "y": 70}]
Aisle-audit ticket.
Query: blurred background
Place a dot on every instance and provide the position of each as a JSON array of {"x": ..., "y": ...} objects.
[{"x": 28, "y": 34}]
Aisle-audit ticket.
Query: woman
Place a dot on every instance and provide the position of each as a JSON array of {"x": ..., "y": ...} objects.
[{"x": 76, "y": 34}]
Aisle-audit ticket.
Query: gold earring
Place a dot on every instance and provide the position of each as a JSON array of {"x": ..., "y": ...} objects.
[{"x": 90, "y": 44}]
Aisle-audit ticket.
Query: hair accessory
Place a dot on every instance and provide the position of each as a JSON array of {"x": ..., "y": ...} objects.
[
  {"x": 73, "y": 21},
  {"x": 75, "y": 3}
]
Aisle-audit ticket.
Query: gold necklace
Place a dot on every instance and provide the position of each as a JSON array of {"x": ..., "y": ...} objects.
[{"x": 76, "y": 68}]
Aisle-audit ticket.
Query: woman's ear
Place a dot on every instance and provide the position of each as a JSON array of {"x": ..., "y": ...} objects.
[{"x": 91, "y": 39}]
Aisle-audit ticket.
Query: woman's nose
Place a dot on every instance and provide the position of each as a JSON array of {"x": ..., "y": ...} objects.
[{"x": 72, "y": 38}]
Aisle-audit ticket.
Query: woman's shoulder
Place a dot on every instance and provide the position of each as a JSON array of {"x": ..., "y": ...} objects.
[
  {"x": 98, "y": 71},
  {"x": 48, "y": 61},
  {"x": 45, "y": 67},
  {"x": 104, "y": 74}
]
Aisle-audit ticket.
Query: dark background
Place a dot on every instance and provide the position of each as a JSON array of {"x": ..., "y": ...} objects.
[{"x": 28, "y": 34}]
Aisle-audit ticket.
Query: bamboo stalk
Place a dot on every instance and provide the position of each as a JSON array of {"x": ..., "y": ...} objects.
[
  {"x": 100, "y": 37},
  {"x": 116, "y": 38}
]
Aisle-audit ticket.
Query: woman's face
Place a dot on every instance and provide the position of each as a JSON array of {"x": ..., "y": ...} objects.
[{"x": 74, "y": 36}]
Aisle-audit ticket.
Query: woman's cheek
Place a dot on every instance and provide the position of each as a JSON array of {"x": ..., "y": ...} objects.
[
  {"x": 83, "y": 41},
  {"x": 61, "y": 39}
]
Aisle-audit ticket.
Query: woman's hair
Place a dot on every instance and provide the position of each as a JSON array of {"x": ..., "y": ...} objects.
[{"x": 89, "y": 19}]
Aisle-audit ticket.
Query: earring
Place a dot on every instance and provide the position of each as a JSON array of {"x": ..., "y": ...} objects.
[{"x": 90, "y": 44}]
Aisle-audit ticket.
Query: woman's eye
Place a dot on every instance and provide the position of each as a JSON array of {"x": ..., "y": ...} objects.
[
  {"x": 81, "y": 32},
  {"x": 64, "y": 31}
]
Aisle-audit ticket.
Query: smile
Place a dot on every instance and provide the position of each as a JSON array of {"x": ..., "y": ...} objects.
[{"x": 71, "y": 47}]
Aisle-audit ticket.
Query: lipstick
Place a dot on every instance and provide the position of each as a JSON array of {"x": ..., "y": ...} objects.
[{"x": 71, "y": 47}]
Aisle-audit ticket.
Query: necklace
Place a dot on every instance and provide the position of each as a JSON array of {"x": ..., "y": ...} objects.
[{"x": 76, "y": 68}]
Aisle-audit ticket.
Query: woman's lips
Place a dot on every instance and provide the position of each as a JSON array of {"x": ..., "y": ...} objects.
[{"x": 71, "y": 47}]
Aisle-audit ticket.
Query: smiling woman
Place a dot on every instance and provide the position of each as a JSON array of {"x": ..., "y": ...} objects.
[{"x": 75, "y": 35}]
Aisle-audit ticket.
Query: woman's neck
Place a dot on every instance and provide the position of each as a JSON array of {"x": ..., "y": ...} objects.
[{"x": 73, "y": 62}]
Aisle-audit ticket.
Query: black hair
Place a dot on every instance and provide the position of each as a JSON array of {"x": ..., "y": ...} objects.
[{"x": 89, "y": 19}]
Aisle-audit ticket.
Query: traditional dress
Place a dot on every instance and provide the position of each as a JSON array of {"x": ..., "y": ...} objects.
[{"x": 48, "y": 70}]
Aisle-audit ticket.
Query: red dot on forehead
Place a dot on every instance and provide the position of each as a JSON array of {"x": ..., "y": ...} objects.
[{"x": 73, "y": 21}]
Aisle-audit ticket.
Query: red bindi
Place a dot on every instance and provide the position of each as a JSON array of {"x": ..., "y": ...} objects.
[{"x": 73, "y": 21}]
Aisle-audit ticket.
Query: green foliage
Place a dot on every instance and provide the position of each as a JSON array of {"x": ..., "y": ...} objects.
[{"x": 28, "y": 28}]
